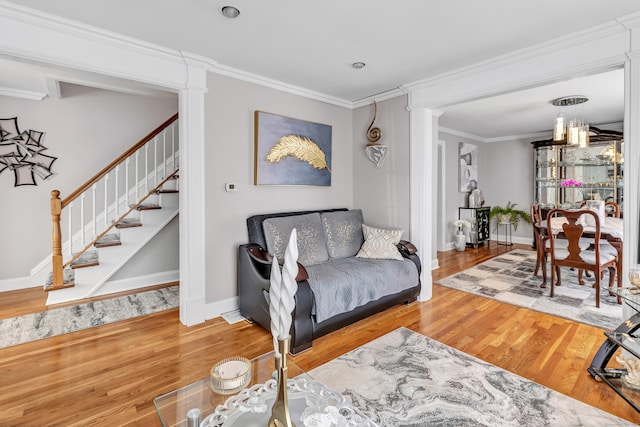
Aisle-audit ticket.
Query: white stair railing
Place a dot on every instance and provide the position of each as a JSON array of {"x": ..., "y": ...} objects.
[{"x": 135, "y": 174}]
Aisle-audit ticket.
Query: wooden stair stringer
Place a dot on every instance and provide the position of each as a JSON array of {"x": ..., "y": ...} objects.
[{"x": 89, "y": 280}]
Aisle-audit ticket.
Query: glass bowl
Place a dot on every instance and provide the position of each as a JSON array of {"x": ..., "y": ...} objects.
[{"x": 230, "y": 375}]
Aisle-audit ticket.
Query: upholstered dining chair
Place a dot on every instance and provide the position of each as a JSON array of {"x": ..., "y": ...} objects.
[
  {"x": 572, "y": 255},
  {"x": 611, "y": 209},
  {"x": 543, "y": 246}
]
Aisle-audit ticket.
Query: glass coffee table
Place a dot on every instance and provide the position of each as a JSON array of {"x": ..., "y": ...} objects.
[{"x": 197, "y": 405}]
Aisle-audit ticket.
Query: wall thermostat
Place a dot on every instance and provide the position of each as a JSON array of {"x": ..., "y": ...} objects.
[{"x": 230, "y": 186}]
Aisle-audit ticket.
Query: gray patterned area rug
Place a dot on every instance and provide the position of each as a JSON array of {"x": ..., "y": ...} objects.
[
  {"x": 406, "y": 379},
  {"x": 509, "y": 278},
  {"x": 32, "y": 327}
]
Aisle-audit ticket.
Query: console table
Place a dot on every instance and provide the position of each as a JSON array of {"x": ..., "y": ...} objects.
[{"x": 479, "y": 219}]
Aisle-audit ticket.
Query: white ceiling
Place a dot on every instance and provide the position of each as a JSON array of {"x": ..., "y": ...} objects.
[
  {"x": 529, "y": 113},
  {"x": 312, "y": 45}
]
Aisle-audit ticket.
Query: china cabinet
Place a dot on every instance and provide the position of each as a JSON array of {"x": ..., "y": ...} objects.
[{"x": 565, "y": 175}]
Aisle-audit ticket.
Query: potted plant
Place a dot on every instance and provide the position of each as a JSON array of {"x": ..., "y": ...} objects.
[{"x": 509, "y": 214}]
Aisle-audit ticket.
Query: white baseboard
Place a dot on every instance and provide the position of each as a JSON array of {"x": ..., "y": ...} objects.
[
  {"x": 514, "y": 239},
  {"x": 15, "y": 284},
  {"x": 215, "y": 309}
]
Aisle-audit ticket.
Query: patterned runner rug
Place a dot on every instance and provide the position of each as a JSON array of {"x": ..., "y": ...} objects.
[
  {"x": 406, "y": 379},
  {"x": 509, "y": 278},
  {"x": 32, "y": 327}
]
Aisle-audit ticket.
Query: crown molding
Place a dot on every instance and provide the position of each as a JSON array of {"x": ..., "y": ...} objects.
[
  {"x": 519, "y": 137},
  {"x": 568, "y": 55},
  {"x": 24, "y": 94},
  {"x": 78, "y": 36},
  {"x": 477, "y": 138},
  {"x": 60, "y": 24},
  {"x": 631, "y": 21},
  {"x": 246, "y": 76},
  {"x": 551, "y": 46},
  {"x": 379, "y": 97}
]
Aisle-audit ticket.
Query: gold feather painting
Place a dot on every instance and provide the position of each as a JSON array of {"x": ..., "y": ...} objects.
[{"x": 291, "y": 152}]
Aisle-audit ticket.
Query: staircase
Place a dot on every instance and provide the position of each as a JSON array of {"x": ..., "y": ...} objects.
[{"x": 110, "y": 218}]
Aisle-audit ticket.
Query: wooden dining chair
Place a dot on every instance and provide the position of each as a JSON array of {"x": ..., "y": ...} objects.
[
  {"x": 612, "y": 209},
  {"x": 543, "y": 247},
  {"x": 573, "y": 255},
  {"x": 536, "y": 219}
]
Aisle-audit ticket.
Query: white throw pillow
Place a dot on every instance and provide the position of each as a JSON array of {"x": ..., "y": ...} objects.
[{"x": 380, "y": 243}]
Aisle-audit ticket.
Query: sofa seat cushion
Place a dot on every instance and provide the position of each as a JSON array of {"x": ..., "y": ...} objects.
[
  {"x": 340, "y": 285},
  {"x": 312, "y": 247},
  {"x": 343, "y": 231}
]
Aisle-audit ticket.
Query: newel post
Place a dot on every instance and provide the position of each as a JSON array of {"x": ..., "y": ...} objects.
[{"x": 56, "y": 237}]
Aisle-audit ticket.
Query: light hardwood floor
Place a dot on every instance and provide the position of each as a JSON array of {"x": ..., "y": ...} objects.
[{"x": 110, "y": 374}]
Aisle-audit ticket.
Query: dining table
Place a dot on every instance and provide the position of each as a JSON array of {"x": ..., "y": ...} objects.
[{"x": 612, "y": 230}]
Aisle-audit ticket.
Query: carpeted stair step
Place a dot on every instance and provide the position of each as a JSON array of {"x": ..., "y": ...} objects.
[
  {"x": 171, "y": 186},
  {"x": 87, "y": 259},
  {"x": 148, "y": 206},
  {"x": 167, "y": 191},
  {"x": 129, "y": 223},
  {"x": 68, "y": 280},
  {"x": 108, "y": 240}
]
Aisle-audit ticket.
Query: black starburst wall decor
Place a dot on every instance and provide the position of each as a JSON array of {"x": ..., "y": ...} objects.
[{"x": 21, "y": 153}]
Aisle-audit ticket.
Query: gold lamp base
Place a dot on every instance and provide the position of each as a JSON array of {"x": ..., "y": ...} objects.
[{"x": 280, "y": 415}]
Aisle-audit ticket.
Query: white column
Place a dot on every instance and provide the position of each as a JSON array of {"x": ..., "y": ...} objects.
[
  {"x": 631, "y": 202},
  {"x": 192, "y": 199},
  {"x": 423, "y": 143}
]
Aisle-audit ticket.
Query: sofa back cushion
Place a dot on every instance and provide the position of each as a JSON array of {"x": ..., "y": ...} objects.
[
  {"x": 343, "y": 232},
  {"x": 312, "y": 248},
  {"x": 256, "y": 230}
]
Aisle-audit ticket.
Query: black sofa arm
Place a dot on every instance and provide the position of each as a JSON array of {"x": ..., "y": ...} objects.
[
  {"x": 254, "y": 271},
  {"x": 409, "y": 251}
]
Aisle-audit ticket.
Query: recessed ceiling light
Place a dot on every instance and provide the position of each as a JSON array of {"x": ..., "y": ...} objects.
[
  {"x": 230, "y": 12},
  {"x": 358, "y": 65}
]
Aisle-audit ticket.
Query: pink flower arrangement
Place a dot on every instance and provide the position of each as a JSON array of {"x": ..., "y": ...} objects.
[{"x": 570, "y": 183}]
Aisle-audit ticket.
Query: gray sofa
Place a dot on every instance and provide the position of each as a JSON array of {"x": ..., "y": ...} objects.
[{"x": 341, "y": 277}]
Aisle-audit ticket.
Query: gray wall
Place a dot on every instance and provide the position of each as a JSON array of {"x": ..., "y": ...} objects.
[
  {"x": 383, "y": 193},
  {"x": 229, "y": 133},
  {"x": 505, "y": 173},
  {"x": 85, "y": 129}
]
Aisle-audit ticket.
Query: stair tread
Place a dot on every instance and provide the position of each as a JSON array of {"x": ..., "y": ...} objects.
[
  {"x": 108, "y": 240},
  {"x": 128, "y": 223},
  {"x": 148, "y": 206},
  {"x": 67, "y": 280},
  {"x": 87, "y": 259}
]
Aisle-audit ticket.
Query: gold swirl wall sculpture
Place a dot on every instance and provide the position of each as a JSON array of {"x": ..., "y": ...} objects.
[{"x": 375, "y": 151}]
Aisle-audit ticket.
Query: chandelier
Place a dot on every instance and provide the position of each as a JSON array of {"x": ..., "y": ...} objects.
[{"x": 574, "y": 131}]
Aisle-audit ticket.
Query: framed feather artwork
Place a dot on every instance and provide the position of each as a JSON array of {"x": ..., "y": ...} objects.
[{"x": 291, "y": 152}]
